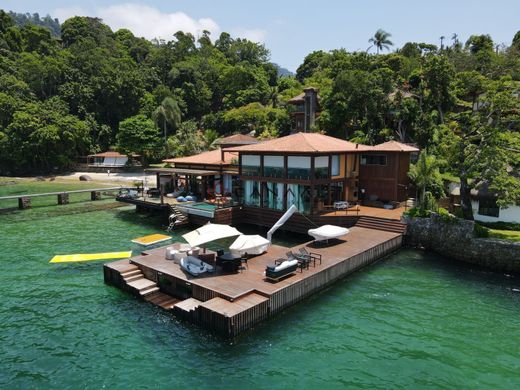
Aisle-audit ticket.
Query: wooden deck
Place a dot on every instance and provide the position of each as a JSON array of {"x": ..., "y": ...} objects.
[
  {"x": 232, "y": 303},
  {"x": 365, "y": 211}
]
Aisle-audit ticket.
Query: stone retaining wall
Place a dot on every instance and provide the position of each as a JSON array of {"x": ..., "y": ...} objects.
[{"x": 455, "y": 239}]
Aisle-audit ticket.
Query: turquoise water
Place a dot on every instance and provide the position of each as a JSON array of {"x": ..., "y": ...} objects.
[{"x": 413, "y": 320}]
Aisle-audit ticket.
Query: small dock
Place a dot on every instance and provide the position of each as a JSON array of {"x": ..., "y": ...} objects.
[
  {"x": 24, "y": 201},
  {"x": 229, "y": 304}
]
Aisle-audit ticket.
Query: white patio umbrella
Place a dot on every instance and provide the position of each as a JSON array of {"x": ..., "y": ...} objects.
[
  {"x": 250, "y": 244},
  {"x": 209, "y": 232}
]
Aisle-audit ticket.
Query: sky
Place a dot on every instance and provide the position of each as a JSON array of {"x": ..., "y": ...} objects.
[{"x": 292, "y": 29}]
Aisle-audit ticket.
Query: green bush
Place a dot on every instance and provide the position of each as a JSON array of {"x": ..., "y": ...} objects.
[
  {"x": 481, "y": 231},
  {"x": 417, "y": 212}
]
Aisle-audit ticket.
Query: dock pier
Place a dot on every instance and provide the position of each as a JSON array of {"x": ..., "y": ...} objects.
[
  {"x": 24, "y": 201},
  {"x": 229, "y": 304}
]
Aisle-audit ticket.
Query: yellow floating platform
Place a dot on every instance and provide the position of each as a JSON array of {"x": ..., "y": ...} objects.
[
  {"x": 89, "y": 257},
  {"x": 151, "y": 239}
]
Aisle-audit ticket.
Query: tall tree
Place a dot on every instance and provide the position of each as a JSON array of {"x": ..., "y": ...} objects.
[
  {"x": 168, "y": 113},
  {"x": 381, "y": 40}
]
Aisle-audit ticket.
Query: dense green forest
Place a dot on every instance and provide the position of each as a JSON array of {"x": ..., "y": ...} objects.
[{"x": 93, "y": 89}]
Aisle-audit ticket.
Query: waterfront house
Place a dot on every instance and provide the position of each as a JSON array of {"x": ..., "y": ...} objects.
[
  {"x": 258, "y": 181},
  {"x": 313, "y": 170}
]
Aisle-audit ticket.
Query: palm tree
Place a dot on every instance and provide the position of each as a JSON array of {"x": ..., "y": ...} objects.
[
  {"x": 168, "y": 113},
  {"x": 442, "y": 38},
  {"x": 380, "y": 40},
  {"x": 424, "y": 173},
  {"x": 210, "y": 138},
  {"x": 455, "y": 38}
]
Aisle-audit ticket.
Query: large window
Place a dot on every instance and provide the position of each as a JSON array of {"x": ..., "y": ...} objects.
[
  {"x": 300, "y": 196},
  {"x": 334, "y": 169},
  {"x": 321, "y": 167},
  {"x": 251, "y": 193},
  {"x": 273, "y": 166},
  {"x": 373, "y": 159},
  {"x": 488, "y": 207},
  {"x": 250, "y": 165},
  {"x": 273, "y": 196},
  {"x": 298, "y": 167}
]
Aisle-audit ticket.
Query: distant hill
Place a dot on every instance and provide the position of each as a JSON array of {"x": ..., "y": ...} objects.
[
  {"x": 21, "y": 20},
  {"x": 283, "y": 71}
]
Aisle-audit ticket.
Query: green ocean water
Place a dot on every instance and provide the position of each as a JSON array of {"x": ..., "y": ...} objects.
[{"x": 413, "y": 320}]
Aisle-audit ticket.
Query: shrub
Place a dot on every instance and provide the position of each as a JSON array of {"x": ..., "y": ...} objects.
[
  {"x": 481, "y": 231},
  {"x": 502, "y": 225}
]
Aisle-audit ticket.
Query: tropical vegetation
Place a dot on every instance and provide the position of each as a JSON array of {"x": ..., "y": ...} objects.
[{"x": 91, "y": 89}]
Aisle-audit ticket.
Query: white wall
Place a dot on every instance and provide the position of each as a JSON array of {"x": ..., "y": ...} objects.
[{"x": 510, "y": 214}]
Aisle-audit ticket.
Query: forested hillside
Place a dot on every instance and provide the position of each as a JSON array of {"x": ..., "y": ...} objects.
[{"x": 95, "y": 89}]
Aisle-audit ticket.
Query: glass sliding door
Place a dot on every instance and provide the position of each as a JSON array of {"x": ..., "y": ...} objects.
[
  {"x": 273, "y": 196},
  {"x": 300, "y": 196},
  {"x": 251, "y": 193}
]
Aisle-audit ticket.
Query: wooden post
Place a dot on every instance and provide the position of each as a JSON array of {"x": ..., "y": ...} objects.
[
  {"x": 95, "y": 195},
  {"x": 63, "y": 198},
  {"x": 24, "y": 203}
]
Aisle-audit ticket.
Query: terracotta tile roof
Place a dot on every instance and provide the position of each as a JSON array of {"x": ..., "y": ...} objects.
[
  {"x": 303, "y": 143},
  {"x": 394, "y": 146},
  {"x": 237, "y": 139},
  {"x": 213, "y": 157},
  {"x": 111, "y": 154}
]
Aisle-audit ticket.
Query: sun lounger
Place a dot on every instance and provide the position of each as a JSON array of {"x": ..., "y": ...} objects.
[{"x": 280, "y": 269}]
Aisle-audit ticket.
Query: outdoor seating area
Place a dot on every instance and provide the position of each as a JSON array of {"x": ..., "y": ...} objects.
[{"x": 284, "y": 267}]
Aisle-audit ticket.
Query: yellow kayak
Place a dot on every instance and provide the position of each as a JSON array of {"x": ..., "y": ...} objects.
[
  {"x": 151, "y": 239},
  {"x": 89, "y": 257}
]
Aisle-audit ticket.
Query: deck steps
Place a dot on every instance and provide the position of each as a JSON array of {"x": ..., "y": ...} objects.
[
  {"x": 142, "y": 285},
  {"x": 147, "y": 291},
  {"x": 162, "y": 300},
  {"x": 377, "y": 223},
  {"x": 132, "y": 272}
]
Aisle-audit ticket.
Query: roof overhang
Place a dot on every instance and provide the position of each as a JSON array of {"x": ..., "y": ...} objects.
[{"x": 182, "y": 171}]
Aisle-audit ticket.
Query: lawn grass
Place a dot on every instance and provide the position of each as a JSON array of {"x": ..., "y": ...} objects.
[{"x": 510, "y": 235}]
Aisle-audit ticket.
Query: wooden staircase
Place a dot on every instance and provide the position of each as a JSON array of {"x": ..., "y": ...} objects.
[
  {"x": 176, "y": 217},
  {"x": 146, "y": 288},
  {"x": 388, "y": 225},
  {"x": 162, "y": 300},
  {"x": 135, "y": 279}
]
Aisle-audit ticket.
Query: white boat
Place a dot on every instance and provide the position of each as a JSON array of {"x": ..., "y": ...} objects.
[
  {"x": 195, "y": 266},
  {"x": 250, "y": 244},
  {"x": 327, "y": 232}
]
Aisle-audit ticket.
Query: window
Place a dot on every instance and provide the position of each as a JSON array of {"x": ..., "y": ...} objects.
[
  {"x": 373, "y": 159},
  {"x": 273, "y": 166},
  {"x": 488, "y": 207},
  {"x": 334, "y": 169},
  {"x": 321, "y": 167},
  {"x": 250, "y": 165},
  {"x": 298, "y": 167}
]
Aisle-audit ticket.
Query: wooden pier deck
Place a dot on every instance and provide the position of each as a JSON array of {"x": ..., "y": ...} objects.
[{"x": 231, "y": 303}]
